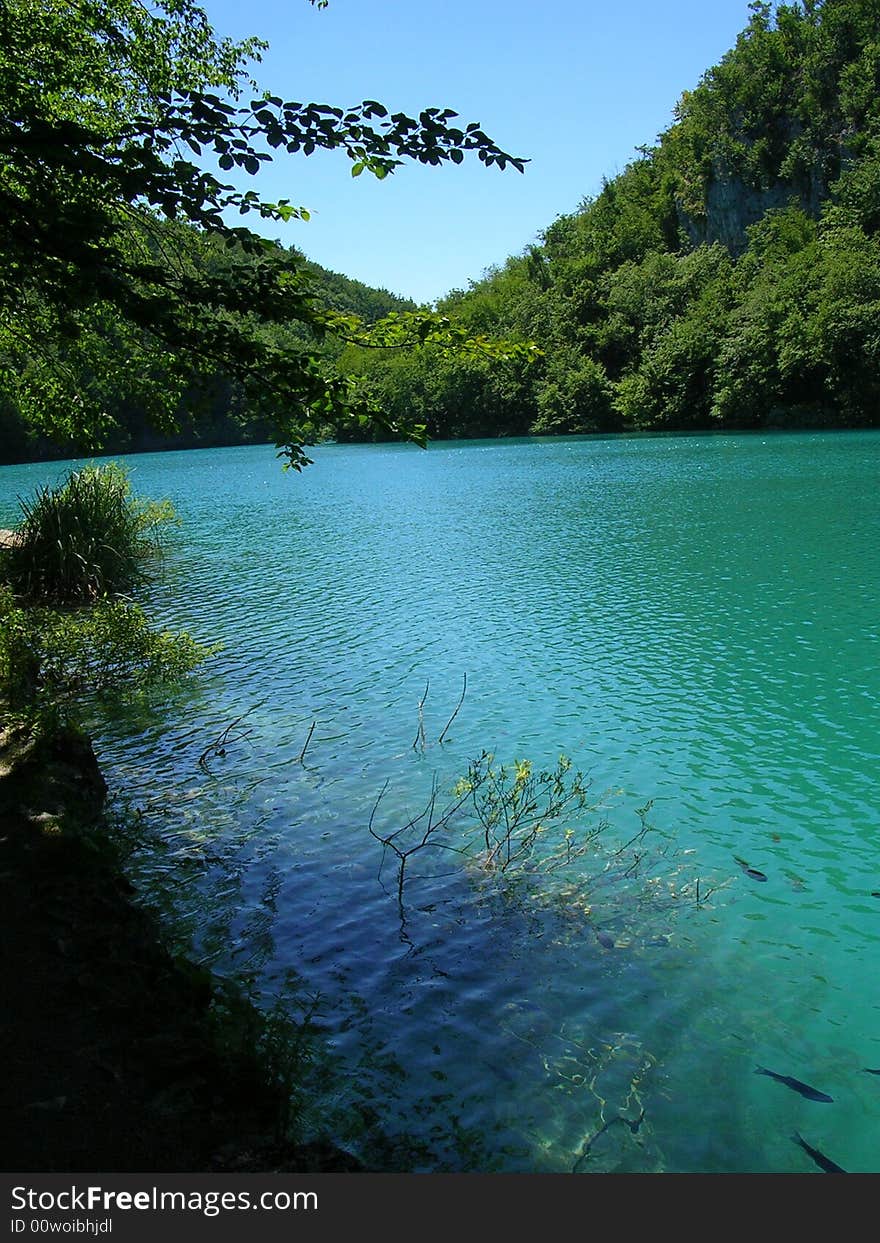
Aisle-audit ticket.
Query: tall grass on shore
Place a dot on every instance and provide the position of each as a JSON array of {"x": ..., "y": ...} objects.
[
  {"x": 69, "y": 631},
  {"x": 85, "y": 538}
]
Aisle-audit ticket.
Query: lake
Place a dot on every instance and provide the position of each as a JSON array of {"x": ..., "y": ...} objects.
[{"x": 693, "y": 620}]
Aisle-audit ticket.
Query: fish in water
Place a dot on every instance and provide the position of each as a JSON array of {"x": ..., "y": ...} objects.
[
  {"x": 812, "y": 1094},
  {"x": 869, "y": 1071},
  {"x": 752, "y": 872},
  {"x": 823, "y": 1162},
  {"x": 605, "y": 939}
]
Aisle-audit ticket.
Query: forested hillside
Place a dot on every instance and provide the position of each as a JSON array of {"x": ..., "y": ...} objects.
[
  {"x": 212, "y": 410},
  {"x": 729, "y": 277}
]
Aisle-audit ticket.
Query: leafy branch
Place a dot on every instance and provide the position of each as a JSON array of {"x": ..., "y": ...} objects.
[
  {"x": 510, "y": 810},
  {"x": 113, "y": 115}
]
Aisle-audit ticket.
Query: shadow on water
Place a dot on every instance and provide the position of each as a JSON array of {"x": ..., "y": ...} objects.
[{"x": 514, "y": 1019}]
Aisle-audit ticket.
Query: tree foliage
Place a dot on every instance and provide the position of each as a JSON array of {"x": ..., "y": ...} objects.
[
  {"x": 727, "y": 278},
  {"x": 54, "y": 661},
  {"x": 121, "y": 270},
  {"x": 69, "y": 631}
]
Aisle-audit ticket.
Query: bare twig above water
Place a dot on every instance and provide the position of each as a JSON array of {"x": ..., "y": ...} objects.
[
  {"x": 301, "y": 756},
  {"x": 457, "y": 710},
  {"x": 420, "y": 734},
  {"x": 706, "y": 894},
  {"x": 230, "y": 734}
]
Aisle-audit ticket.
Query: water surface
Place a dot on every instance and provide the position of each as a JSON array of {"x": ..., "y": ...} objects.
[{"x": 694, "y": 621}]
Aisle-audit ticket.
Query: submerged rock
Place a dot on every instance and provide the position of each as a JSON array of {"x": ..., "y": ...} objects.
[{"x": 50, "y": 775}]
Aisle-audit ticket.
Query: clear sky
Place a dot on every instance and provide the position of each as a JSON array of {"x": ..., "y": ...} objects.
[{"x": 575, "y": 86}]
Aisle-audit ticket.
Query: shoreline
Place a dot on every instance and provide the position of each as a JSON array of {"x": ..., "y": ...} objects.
[{"x": 780, "y": 426}]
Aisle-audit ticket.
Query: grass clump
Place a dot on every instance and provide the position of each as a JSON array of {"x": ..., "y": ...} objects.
[
  {"x": 85, "y": 538},
  {"x": 69, "y": 631}
]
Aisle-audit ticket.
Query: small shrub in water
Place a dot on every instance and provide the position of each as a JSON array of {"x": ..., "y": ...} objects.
[{"x": 51, "y": 661}]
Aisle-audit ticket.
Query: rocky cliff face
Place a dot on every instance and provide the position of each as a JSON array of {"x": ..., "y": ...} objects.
[{"x": 732, "y": 206}]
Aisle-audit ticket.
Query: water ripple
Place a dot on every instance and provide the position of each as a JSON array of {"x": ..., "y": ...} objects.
[{"x": 693, "y": 619}]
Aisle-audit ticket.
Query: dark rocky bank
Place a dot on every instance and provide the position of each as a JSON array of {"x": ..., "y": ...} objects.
[{"x": 113, "y": 1056}]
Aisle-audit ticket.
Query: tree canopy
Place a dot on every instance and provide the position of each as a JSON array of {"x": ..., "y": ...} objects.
[
  {"x": 728, "y": 277},
  {"x": 121, "y": 271}
]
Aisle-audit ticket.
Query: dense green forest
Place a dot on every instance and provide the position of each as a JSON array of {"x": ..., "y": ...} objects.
[
  {"x": 135, "y": 309},
  {"x": 211, "y": 410},
  {"x": 729, "y": 277}
]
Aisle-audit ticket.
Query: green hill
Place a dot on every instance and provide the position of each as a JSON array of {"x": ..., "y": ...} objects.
[
  {"x": 729, "y": 277},
  {"x": 213, "y": 410}
]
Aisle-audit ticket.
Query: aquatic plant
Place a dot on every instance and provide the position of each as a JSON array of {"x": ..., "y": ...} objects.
[
  {"x": 281, "y": 1034},
  {"x": 287, "y": 1048},
  {"x": 510, "y": 811},
  {"x": 420, "y": 741}
]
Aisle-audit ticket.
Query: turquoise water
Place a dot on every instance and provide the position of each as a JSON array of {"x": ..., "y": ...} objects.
[{"x": 693, "y": 620}]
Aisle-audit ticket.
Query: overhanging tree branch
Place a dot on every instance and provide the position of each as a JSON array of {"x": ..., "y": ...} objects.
[{"x": 90, "y": 167}]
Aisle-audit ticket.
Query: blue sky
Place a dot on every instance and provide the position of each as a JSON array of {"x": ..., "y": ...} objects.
[{"x": 573, "y": 85}]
